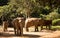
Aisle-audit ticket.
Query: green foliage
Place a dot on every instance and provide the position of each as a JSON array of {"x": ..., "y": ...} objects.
[
  {"x": 59, "y": 10},
  {"x": 8, "y": 11},
  {"x": 53, "y": 15},
  {"x": 55, "y": 28},
  {"x": 30, "y": 7},
  {"x": 56, "y": 22},
  {"x": 45, "y": 11}
]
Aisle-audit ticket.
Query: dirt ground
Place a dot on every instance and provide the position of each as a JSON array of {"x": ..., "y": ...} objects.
[{"x": 31, "y": 34}]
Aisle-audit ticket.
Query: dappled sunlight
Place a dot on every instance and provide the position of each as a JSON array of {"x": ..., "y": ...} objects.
[
  {"x": 30, "y": 34},
  {"x": 10, "y": 33},
  {"x": 1, "y": 28}
]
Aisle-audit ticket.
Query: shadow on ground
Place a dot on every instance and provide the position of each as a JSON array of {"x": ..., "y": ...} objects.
[{"x": 13, "y": 35}]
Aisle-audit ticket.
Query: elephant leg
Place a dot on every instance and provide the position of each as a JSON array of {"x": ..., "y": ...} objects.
[
  {"x": 36, "y": 28},
  {"x": 21, "y": 31},
  {"x": 27, "y": 29},
  {"x": 46, "y": 26},
  {"x": 15, "y": 31},
  {"x": 4, "y": 27},
  {"x": 4, "y": 30},
  {"x": 49, "y": 27},
  {"x": 41, "y": 27}
]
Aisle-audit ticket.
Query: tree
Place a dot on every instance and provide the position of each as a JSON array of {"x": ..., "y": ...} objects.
[
  {"x": 26, "y": 6},
  {"x": 30, "y": 6},
  {"x": 53, "y": 15}
]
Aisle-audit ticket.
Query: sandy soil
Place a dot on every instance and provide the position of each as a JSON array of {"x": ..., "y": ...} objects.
[{"x": 31, "y": 34}]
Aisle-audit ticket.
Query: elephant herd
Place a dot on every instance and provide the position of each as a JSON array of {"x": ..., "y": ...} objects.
[
  {"x": 37, "y": 22},
  {"x": 20, "y": 22}
]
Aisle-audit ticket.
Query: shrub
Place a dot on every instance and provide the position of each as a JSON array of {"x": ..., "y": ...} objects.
[
  {"x": 53, "y": 15},
  {"x": 56, "y": 22}
]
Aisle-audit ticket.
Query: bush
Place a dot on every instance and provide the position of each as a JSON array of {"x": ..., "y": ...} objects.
[
  {"x": 56, "y": 22},
  {"x": 53, "y": 15}
]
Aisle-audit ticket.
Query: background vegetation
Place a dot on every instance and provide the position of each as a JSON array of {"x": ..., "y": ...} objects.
[{"x": 46, "y": 9}]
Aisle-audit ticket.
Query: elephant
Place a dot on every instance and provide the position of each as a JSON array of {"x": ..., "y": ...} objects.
[
  {"x": 18, "y": 24},
  {"x": 5, "y": 25},
  {"x": 36, "y": 22}
]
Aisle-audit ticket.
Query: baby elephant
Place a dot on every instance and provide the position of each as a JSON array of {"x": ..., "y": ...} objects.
[{"x": 5, "y": 25}]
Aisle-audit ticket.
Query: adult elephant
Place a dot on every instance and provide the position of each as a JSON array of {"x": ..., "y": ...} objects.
[
  {"x": 18, "y": 24},
  {"x": 37, "y": 22},
  {"x": 33, "y": 22},
  {"x": 47, "y": 23}
]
